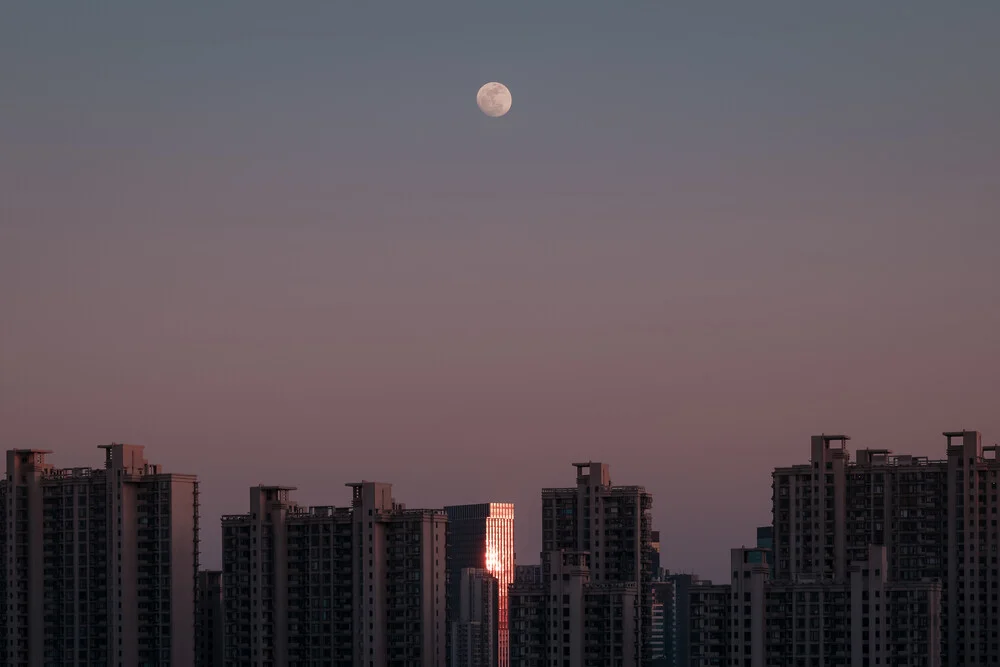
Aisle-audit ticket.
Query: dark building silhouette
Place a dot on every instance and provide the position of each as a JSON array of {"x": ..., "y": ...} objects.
[
  {"x": 209, "y": 639},
  {"x": 481, "y": 536}
]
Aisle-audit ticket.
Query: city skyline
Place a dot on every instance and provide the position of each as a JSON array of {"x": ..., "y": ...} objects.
[
  {"x": 277, "y": 246},
  {"x": 851, "y": 526},
  {"x": 711, "y": 566}
]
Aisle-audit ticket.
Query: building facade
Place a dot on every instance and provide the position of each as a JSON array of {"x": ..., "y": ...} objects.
[
  {"x": 614, "y": 525},
  {"x": 671, "y": 619},
  {"x": 527, "y": 574},
  {"x": 527, "y": 600},
  {"x": 593, "y": 603},
  {"x": 570, "y": 620},
  {"x": 475, "y": 625},
  {"x": 936, "y": 518},
  {"x": 481, "y": 536},
  {"x": 357, "y": 585},
  {"x": 861, "y": 621},
  {"x": 100, "y": 564},
  {"x": 209, "y": 622}
]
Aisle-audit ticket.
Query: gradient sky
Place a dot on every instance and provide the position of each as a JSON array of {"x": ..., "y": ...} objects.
[{"x": 278, "y": 243}]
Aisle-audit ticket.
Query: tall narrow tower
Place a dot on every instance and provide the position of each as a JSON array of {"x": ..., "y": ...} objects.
[{"x": 481, "y": 536}]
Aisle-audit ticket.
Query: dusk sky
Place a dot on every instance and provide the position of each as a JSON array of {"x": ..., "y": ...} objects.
[{"x": 278, "y": 243}]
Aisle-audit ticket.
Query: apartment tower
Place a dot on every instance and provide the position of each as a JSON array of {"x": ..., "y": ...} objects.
[
  {"x": 593, "y": 605},
  {"x": 613, "y": 524},
  {"x": 356, "y": 585},
  {"x": 863, "y": 620},
  {"x": 936, "y": 518},
  {"x": 100, "y": 564}
]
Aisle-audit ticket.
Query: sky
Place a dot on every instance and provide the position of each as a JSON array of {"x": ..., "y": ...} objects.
[{"x": 278, "y": 243}]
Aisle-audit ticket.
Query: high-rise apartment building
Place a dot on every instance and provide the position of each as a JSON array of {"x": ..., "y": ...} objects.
[
  {"x": 936, "y": 518},
  {"x": 208, "y": 623},
  {"x": 611, "y": 523},
  {"x": 594, "y": 603},
  {"x": 863, "y": 620},
  {"x": 357, "y": 585},
  {"x": 481, "y": 536},
  {"x": 529, "y": 630},
  {"x": 99, "y": 565},
  {"x": 571, "y": 620},
  {"x": 475, "y": 627}
]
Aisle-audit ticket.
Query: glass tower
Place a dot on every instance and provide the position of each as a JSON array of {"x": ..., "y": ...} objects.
[{"x": 482, "y": 536}]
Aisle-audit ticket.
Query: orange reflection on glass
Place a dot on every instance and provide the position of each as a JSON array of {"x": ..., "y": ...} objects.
[{"x": 499, "y": 561}]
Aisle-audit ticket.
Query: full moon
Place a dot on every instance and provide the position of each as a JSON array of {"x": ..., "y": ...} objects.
[{"x": 493, "y": 99}]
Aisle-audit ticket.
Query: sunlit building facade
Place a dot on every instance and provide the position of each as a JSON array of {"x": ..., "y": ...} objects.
[{"x": 481, "y": 536}]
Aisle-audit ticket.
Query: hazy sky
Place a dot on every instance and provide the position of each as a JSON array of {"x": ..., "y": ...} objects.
[{"x": 278, "y": 243}]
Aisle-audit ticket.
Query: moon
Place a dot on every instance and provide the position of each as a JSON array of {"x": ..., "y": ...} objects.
[{"x": 493, "y": 99}]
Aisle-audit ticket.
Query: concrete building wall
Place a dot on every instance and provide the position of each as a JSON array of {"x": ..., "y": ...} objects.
[
  {"x": 529, "y": 620},
  {"x": 613, "y": 525},
  {"x": 936, "y": 519},
  {"x": 184, "y": 561},
  {"x": 475, "y": 626},
  {"x": 94, "y": 582},
  {"x": 567, "y": 618},
  {"x": 209, "y": 628},
  {"x": 807, "y": 622},
  {"x": 363, "y": 584}
]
